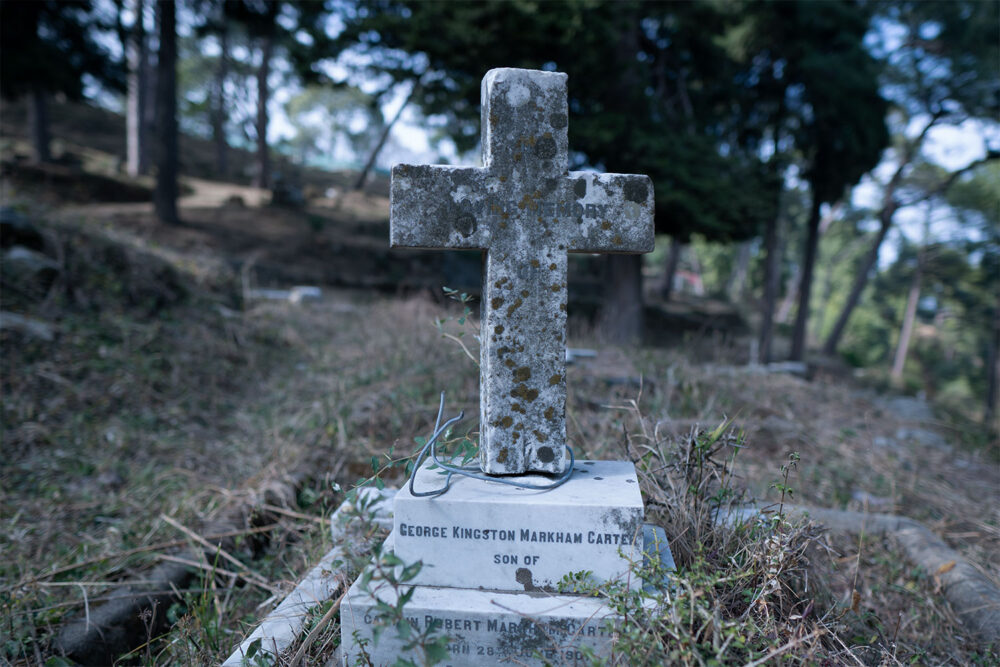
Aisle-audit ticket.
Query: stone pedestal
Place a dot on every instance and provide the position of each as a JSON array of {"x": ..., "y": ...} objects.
[
  {"x": 493, "y": 556},
  {"x": 500, "y": 537}
]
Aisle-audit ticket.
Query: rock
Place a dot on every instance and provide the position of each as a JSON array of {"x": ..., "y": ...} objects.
[
  {"x": 23, "y": 260},
  {"x": 26, "y": 326},
  {"x": 16, "y": 230},
  {"x": 872, "y": 502},
  {"x": 297, "y": 294},
  {"x": 922, "y": 436},
  {"x": 910, "y": 408}
]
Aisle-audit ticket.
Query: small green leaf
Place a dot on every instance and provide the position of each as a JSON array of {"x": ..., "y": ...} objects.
[
  {"x": 436, "y": 651},
  {"x": 403, "y": 629},
  {"x": 411, "y": 571}
]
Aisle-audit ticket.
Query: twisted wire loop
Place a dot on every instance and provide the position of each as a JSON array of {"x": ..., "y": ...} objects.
[{"x": 471, "y": 471}]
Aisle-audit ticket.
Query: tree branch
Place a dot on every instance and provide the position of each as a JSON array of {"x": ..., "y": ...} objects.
[{"x": 944, "y": 185}]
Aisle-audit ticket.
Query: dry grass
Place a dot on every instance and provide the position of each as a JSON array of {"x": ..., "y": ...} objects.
[
  {"x": 170, "y": 402},
  {"x": 165, "y": 393}
]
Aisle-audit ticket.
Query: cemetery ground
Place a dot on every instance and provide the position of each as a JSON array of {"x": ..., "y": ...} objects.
[{"x": 151, "y": 401}]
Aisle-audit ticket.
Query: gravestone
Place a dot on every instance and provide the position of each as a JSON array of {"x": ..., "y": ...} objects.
[
  {"x": 526, "y": 211},
  {"x": 493, "y": 554}
]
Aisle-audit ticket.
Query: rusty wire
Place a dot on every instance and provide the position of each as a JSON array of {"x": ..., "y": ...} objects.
[{"x": 472, "y": 471}]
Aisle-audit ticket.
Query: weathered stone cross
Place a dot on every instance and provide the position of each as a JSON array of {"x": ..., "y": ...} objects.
[{"x": 526, "y": 211}]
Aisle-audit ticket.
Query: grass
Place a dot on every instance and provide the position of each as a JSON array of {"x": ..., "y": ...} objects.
[{"x": 166, "y": 394}]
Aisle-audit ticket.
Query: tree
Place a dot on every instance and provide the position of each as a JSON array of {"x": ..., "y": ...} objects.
[
  {"x": 331, "y": 118},
  {"x": 632, "y": 68},
  {"x": 136, "y": 158},
  {"x": 165, "y": 194},
  {"x": 301, "y": 34},
  {"x": 824, "y": 130},
  {"x": 218, "y": 110},
  {"x": 47, "y": 47},
  {"x": 836, "y": 123},
  {"x": 910, "y": 313},
  {"x": 974, "y": 199},
  {"x": 942, "y": 73}
]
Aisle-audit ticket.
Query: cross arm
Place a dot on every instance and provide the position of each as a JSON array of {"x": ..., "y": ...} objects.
[
  {"x": 617, "y": 213},
  {"x": 432, "y": 206}
]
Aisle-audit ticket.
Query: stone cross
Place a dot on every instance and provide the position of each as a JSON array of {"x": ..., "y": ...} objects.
[{"x": 526, "y": 211}]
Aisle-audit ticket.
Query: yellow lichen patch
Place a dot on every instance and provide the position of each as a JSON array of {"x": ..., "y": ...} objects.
[
  {"x": 514, "y": 306},
  {"x": 509, "y": 363},
  {"x": 517, "y": 156},
  {"x": 525, "y": 293},
  {"x": 555, "y": 379},
  {"x": 503, "y": 179},
  {"x": 502, "y": 456},
  {"x": 515, "y": 435},
  {"x": 522, "y": 374},
  {"x": 550, "y": 412},
  {"x": 496, "y": 302},
  {"x": 521, "y": 391},
  {"x": 498, "y": 329},
  {"x": 503, "y": 225},
  {"x": 605, "y": 225},
  {"x": 534, "y": 263},
  {"x": 552, "y": 266},
  {"x": 556, "y": 287},
  {"x": 542, "y": 437},
  {"x": 507, "y": 421},
  {"x": 516, "y": 407},
  {"x": 562, "y": 307},
  {"x": 617, "y": 240}
]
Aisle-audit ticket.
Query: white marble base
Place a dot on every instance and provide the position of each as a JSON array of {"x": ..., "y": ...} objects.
[
  {"x": 493, "y": 627},
  {"x": 483, "y": 627},
  {"x": 487, "y": 535}
]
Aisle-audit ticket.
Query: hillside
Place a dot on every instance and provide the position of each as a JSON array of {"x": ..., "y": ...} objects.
[{"x": 145, "y": 375}]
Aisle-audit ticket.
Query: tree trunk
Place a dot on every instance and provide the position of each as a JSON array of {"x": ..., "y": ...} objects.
[
  {"x": 135, "y": 112},
  {"x": 673, "y": 259},
  {"x": 38, "y": 122},
  {"x": 736, "y": 283},
  {"x": 791, "y": 294},
  {"x": 860, "y": 280},
  {"x": 771, "y": 275},
  {"x": 620, "y": 320},
  {"x": 165, "y": 195},
  {"x": 909, "y": 316},
  {"x": 149, "y": 112},
  {"x": 219, "y": 104},
  {"x": 262, "y": 178},
  {"x": 370, "y": 163},
  {"x": 993, "y": 374},
  {"x": 805, "y": 284}
]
